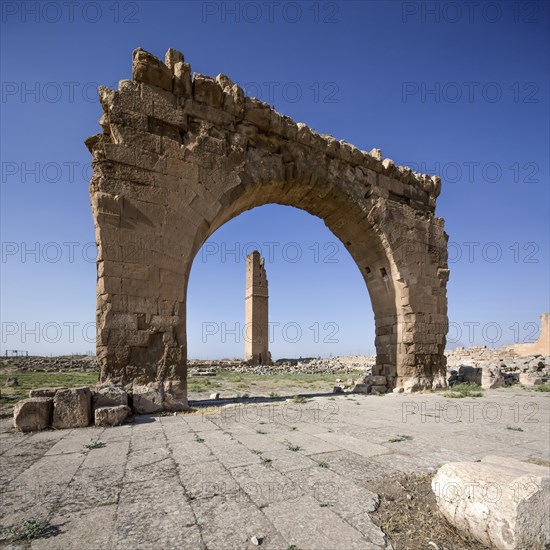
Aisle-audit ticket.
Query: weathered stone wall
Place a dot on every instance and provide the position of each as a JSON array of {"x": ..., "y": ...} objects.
[
  {"x": 484, "y": 355},
  {"x": 181, "y": 154},
  {"x": 542, "y": 345}
]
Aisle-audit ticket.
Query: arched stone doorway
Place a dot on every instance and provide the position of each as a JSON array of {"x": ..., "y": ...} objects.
[{"x": 182, "y": 154}]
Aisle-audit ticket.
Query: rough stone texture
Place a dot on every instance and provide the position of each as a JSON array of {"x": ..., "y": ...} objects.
[
  {"x": 111, "y": 416},
  {"x": 155, "y": 486},
  {"x": 502, "y": 502},
  {"x": 33, "y": 414},
  {"x": 72, "y": 408},
  {"x": 491, "y": 378},
  {"x": 531, "y": 379},
  {"x": 370, "y": 384},
  {"x": 495, "y": 371},
  {"x": 256, "y": 312},
  {"x": 480, "y": 355},
  {"x": 177, "y": 158},
  {"x": 542, "y": 345},
  {"x": 109, "y": 396},
  {"x": 45, "y": 392},
  {"x": 147, "y": 398}
]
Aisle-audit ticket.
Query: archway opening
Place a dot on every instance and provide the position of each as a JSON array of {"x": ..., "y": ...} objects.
[{"x": 321, "y": 322}]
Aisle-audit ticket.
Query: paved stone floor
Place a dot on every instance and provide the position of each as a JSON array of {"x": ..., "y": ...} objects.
[{"x": 294, "y": 474}]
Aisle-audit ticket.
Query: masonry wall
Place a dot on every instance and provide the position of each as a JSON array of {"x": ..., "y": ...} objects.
[
  {"x": 256, "y": 311},
  {"x": 181, "y": 153}
]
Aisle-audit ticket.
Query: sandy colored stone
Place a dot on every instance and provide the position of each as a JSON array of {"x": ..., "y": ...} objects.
[
  {"x": 256, "y": 311},
  {"x": 180, "y": 154},
  {"x": 33, "y": 414},
  {"x": 45, "y": 392},
  {"x": 491, "y": 378},
  {"x": 111, "y": 416},
  {"x": 110, "y": 396},
  {"x": 530, "y": 379},
  {"x": 72, "y": 408},
  {"x": 147, "y": 398},
  {"x": 500, "y": 501}
]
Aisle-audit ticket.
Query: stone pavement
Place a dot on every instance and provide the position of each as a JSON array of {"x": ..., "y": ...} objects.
[{"x": 293, "y": 474}]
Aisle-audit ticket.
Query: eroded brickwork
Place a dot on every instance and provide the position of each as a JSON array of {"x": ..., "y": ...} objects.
[
  {"x": 180, "y": 154},
  {"x": 256, "y": 311}
]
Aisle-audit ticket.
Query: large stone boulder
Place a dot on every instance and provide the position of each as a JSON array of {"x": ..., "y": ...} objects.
[
  {"x": 72, "y": 408},
  {"x": 44, "y": 392},
  {"x": 530, "y": 379},
  {"x": 491, "y": 378},
  {"x": 33, "y": 414},
  {"x": 370, "y": 384},
  {"x": 501, "y": 502},
  {"x": 469, "y": 375},
  {"x": 111, "y": 416},
  {"x": 110, "y": 396},
  {"x": 147, "y": 398}
]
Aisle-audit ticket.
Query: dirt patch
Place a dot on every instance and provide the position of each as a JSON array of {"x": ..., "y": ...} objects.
[{"x": 408, "y": 515}]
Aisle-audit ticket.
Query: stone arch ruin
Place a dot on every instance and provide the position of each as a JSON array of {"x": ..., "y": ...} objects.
[{"x": 180, "y": 154}]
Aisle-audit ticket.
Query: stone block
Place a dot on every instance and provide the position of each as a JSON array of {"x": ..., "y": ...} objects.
[
  {"x": 147, "y": 398},
  {"x": 111, "y": 416},
  {"x": 151, "y": 70},
  {"x": 110, "y": 396},
  {"x": 72, "y": 408},
  {"x": 501, "y": 502},
  {"x": 207, "y": 90},
  {"x": 33, "y": 414},
  {"x": 530, "y": 379},
  {"x": 375, "y": 380},
  {"x": 44, "y": 392},
  {"x": 491, "y": 378}
]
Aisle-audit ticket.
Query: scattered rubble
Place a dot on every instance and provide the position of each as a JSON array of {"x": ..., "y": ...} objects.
[{"x": 531, "y": 370}]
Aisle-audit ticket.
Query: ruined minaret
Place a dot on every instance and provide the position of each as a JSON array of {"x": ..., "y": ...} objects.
[{"x": 256, "y": 328}]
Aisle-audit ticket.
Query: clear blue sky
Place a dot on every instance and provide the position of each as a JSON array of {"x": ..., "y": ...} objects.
[{"x": 464, "y": 94}]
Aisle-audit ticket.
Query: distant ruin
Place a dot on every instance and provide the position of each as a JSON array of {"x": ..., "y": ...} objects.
[
  {"x": 256, "y": 312},
  {"x": 180, "y": 154}
]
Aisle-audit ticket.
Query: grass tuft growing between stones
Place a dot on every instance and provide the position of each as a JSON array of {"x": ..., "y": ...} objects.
[
  {"x": 199, "y": 439},
  {"x": 399, "y": 438},
  {"x": 541, "y": 387},
  {"x": 266, "y": 461},
  {"x": 95, "y": 444},
  {"x": 464, "y": 390},
  {"x": 323, "y": 464},
  {"x": 30, "y": 529},
  {"x": 299, "y": 399},
  {"x": 514, "y": 428},
  {"x": 291, "y": 446}
]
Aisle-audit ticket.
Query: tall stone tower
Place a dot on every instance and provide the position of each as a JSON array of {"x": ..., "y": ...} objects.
[{"x": 256, "y": 327}]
